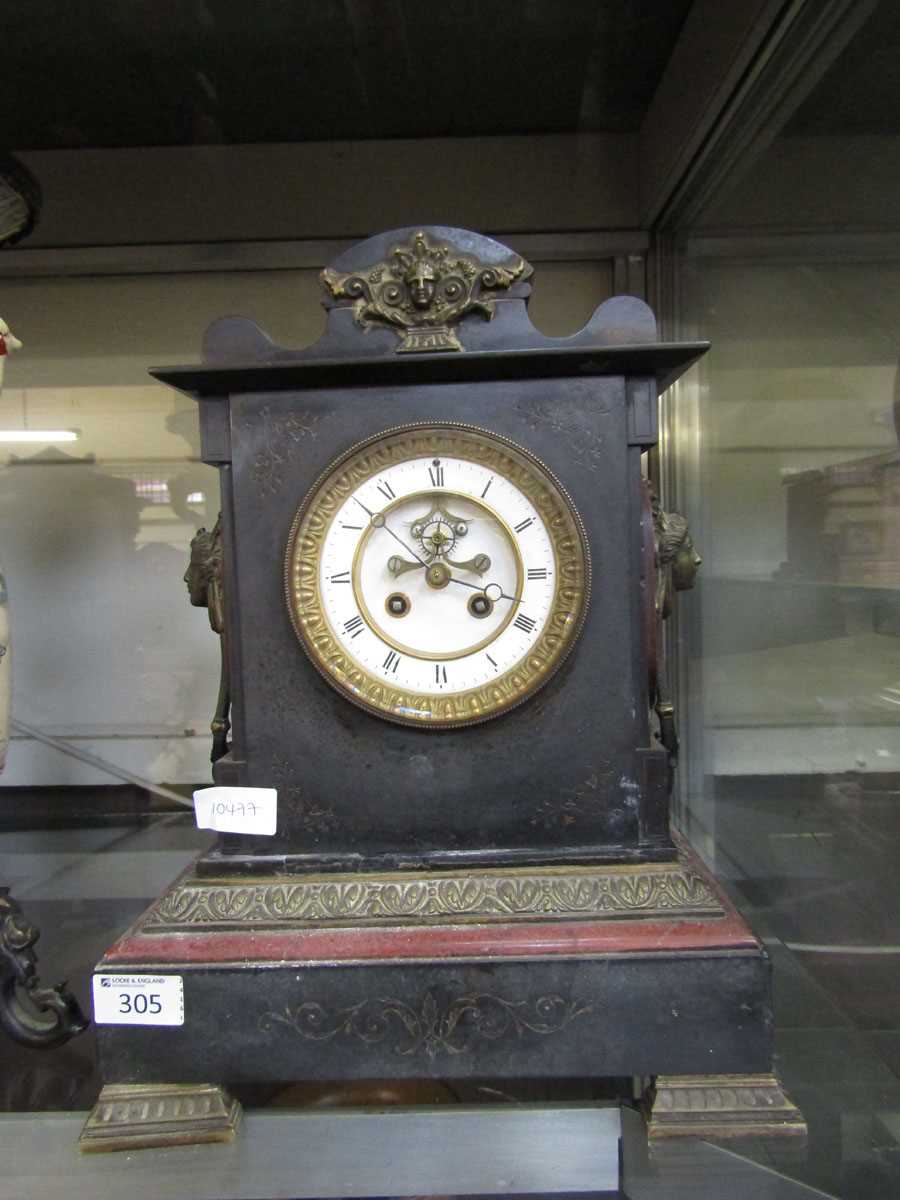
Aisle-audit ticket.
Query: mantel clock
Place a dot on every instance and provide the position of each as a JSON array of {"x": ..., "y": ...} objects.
[{"x": 438, "y": 577}]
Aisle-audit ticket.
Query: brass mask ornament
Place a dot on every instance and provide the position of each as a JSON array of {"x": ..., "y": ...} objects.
[
  {"x": 422, "y": 290},
  {"x": 204, "y": 576},
  {"x": 677, "y": 564},
  {"x": 206, "y": 588},
  {"x": 677, "y": 559}
]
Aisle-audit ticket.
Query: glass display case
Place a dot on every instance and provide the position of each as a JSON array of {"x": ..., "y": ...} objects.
[{"x": 739, "y": 171}]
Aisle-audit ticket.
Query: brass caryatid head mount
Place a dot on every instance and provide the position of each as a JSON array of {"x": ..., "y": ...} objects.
[{"x": 423, "y": 290}]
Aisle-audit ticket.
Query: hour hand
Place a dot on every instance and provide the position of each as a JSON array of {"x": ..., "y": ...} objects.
[
  {"x": 397, "y": 565},
  {"x": 480, "y": 563}
]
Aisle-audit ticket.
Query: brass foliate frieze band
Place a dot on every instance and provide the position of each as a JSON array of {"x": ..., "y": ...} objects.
[
  {"x": 422, "y": 290},
  {"x": 551, "y": 894}
]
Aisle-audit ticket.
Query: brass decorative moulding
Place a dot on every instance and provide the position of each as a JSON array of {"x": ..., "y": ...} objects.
[
  {"x": 422, "y": 290},
  {"x": 132, "y": 1116},
  {"x": 542, "y": 894},
  {"x": 722, "y": 1106}
]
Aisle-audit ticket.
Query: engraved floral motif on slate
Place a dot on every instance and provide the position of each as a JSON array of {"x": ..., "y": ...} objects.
[
  {"x": 282, "y": 434},
  {"x": 311, "y": 816},
  {"x": 585, "y": 800},
  {"x": 432, "y": 1027},
  {"x": 584, "y": 446}
]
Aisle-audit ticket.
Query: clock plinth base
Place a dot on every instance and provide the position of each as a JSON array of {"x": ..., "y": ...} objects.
[
  {"x": 722, "y": 1106},
  {"x": 557, "y": 973},
  {"x": 133, "y": 1116}
]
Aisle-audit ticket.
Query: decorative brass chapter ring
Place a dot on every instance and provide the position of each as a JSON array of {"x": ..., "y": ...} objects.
[{"x": 332, "y": 657}]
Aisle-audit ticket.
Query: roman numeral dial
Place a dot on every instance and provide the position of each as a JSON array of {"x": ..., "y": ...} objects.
[{"x": 423, "y": 575}]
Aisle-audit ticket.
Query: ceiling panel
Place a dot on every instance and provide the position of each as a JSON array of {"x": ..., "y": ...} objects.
[
  {"x": 860, "y": 93},
  {"x": 96, "y": 73}
]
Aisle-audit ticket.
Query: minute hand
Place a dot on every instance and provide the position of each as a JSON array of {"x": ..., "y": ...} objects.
[{"x": 479, "y": 587}]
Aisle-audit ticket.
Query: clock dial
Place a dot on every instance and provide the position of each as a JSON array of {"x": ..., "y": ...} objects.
[{"x": 437, "y": 575}]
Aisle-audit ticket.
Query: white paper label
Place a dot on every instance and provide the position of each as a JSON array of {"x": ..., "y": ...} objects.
[
  {"x": 138, "y": 1000},
  {"x": 237, "y": 809}
]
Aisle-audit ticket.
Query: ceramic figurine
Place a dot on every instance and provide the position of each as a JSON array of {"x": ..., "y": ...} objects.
[{"x": 8, "y": 341}]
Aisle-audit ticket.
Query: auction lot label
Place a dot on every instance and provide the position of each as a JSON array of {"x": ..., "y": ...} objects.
[{"x": 138, "y": 1000}]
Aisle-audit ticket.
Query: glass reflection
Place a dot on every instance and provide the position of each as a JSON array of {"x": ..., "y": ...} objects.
[
  {"x": 795, "y": 663},
  {"x": 108, "y": 652}
]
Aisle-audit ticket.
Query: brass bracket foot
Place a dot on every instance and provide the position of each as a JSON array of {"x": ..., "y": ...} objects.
[
  {"x": 722, "y": 1106},
  {"x": 129, "y": 1116}
]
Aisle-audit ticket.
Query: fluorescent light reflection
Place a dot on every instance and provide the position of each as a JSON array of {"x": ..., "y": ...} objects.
[{"x": 38, "y": 435}]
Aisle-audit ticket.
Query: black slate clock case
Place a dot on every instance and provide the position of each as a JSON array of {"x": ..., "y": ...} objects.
[{"x": 572, "y": 774}]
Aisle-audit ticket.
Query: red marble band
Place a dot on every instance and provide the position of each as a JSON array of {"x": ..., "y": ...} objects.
[{"x": 520, "y": 940}]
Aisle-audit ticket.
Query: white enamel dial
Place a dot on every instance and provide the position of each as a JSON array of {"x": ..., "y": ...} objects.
[{"x": 450, "y": 575}]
